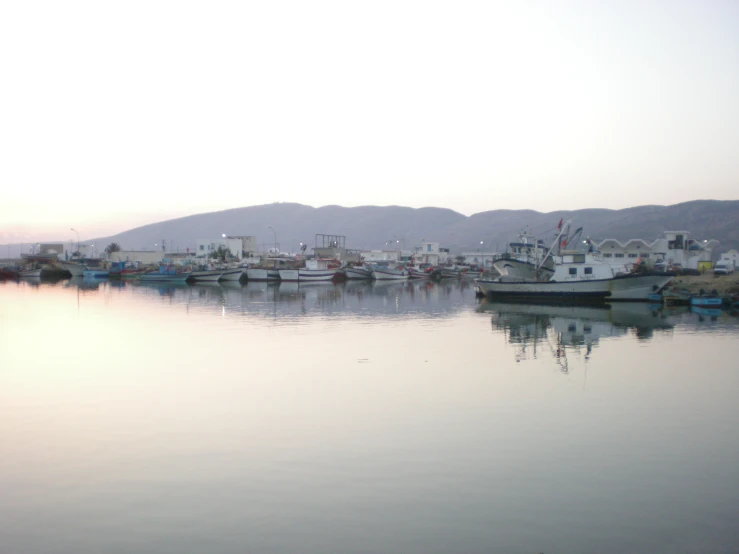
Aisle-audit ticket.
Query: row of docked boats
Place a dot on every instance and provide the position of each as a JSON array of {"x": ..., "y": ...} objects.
[{"x": 569, "y": 270}]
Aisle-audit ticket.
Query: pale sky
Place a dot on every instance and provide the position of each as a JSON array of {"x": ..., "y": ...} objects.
[{"x": 117, "y": 114}]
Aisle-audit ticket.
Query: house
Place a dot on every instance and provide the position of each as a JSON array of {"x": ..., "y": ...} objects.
[
  {"x": 238, "y": 246},
  {"x": 482, "y": 259}
]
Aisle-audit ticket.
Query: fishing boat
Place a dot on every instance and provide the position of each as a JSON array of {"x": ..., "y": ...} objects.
[
  {"x": 580, "y": 277},
  {"x": 206, "y": 275},
  {"x": 262, "y": 274},
  {"x": 32, "y": 273},
  {"x": 314, "y": 270},
  {"x": 526, "y": 258},
  {"x": 387, "y": 273},
  {"x": 97, "y": 273},
  {"x": 233, "y": 274},
  {"x": 167, "y": 273},
  {"x": 419, "y": 273},
  {"x": 75, "y": 268},
  {"x": 358, "y": 272},
  {"x": 676, "y": 297}
]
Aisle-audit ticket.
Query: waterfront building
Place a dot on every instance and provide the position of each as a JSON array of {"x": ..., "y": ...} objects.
[{"x": 676, "y": 247}]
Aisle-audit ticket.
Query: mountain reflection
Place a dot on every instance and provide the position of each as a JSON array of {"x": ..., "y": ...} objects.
[{"x": 557, "y": 330}]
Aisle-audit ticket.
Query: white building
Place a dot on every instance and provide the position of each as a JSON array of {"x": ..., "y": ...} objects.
[
  {"x": 427, "y": 253},
  {"x": 483, "y": 259},
  {"x": 380, "y": 255},
  {"x": 140, "y": 256},
  {"x": 732, "y": 256},
  {"x": 676, "y": 247},
  {"x": 238, "y": 246}
]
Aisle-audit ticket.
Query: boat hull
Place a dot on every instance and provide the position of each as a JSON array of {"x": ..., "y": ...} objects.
[
  {"x": 389, "y": 274},
  {"x": 163, "y": 278},
  {"x": 258, "y": 274},
  {"x": 232, "y": 274},
  {"x": 621, "y": 288},
  {"x": 357, "y": 273},
  {"x": 31, "y": 273},
  {"x": 95, "y": 274},
  {"x": 307, "y": 275},
  {"x": 206, "y": 276},
  {"x": 707, "y": 301},
  {"x": 77, "y": 270}
]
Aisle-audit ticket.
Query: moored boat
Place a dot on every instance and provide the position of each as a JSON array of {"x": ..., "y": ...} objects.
[
  {"x": 581, "y": 277},
  {"x": 165, "y": 274},
  {"x": 233, "y": 274},
  {"x": 386, "y": 273},
  {"x": 262, "y": 274},
  {"x": 358, "y": 272},
  {"x": 707, "y": 300},
  {"x": 75, "y": 268},
  {"x": 206, "y": 275},
  {"x": 95, "y": 273}
]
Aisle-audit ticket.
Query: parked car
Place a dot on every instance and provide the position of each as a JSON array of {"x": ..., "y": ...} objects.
[{"x": 724, "y": 267}]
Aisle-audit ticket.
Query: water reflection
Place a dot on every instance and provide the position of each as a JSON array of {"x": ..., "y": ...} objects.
[
  {"x": 556, "y": 330},
  {"x": 285, "y": 301}
]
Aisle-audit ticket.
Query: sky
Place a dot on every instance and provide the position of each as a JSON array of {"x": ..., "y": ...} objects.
[{"x": 118, "y": 114}]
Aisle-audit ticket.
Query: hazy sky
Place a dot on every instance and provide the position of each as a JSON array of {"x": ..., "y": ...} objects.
[{"x": 116, "y": 114}]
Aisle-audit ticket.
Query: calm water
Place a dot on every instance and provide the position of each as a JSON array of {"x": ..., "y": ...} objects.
[{"x": 397, "y": 418}]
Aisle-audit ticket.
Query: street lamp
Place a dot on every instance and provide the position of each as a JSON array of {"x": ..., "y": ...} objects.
[
  {"x": 78, "y": 241},
  {"x": 275, "y": 233}
]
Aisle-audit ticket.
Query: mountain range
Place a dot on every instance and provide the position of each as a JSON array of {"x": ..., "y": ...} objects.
[{"x": 367, "y": 227}]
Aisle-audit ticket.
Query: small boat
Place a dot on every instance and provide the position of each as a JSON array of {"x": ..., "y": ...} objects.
[
  {"x": 6, "y": 273},
  {"x": 656, "y": 298},
  {"x": 31, "y": 273},
  {"x": 676, "y": 297},
  {"x": 95, "y": 273},
  {"x": 386, "y": 273},
  {"x": 262, "y": 274},
  {"x": 165, "y": 274},
  {"x": 358, "y": 272},
  {"x": 206, "y": 275},
  {"x": 314, "y": 270},
  {"x": 233, "y": 274},
  {"x": 75, "y": 268},
  {"x": 711, "y": 299},
  {"x": 418, "y": 273}
]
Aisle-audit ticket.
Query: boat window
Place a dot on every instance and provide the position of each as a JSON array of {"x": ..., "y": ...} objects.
[
  {"x": 573, "y": 271},
  {"x": 579, "y": 258},
  {"x": 588, "y": 271}
]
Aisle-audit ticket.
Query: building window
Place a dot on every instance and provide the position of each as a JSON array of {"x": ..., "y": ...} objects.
[
  {"x": 202, "y": 247},
  {"x": 573, "y": 271},
  {"x": 633, "y": 255},
  {"x": 588, "y": 271},
  {"x": 618, "y": 255},
  {"x": 609, "y": 255},
  {"x": 645, "y": 255}
]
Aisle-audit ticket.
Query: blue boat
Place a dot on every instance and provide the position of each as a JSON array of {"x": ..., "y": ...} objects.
[
  {"x": 707, "y": 301},
  {"x": 166, "y": 274},
  {"x": 655, "y": 298},
  {"x": 95, "y": 273}
]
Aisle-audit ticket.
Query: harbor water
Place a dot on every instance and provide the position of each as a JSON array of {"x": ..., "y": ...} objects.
[{"x": 397, "y": 417}]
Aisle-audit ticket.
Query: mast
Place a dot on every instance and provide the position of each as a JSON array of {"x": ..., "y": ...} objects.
[{"x": 562, "y": 230}]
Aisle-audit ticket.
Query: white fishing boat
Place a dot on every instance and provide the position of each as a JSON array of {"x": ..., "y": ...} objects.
[
  {"x": 206, "y": 275},
  {"x": 580, "y": 277},
  {"x": 526, "y": 258},
  {"x": 31, "y": 273},
  {"x": 262, "y": 274},
  {"x": 360, "y": 272},
  {"x": 387, "y": 273},
  {"x": 233, "y": 274},
  {"x": 75, "y": 268},
  {"x": 314, "y": 270}
]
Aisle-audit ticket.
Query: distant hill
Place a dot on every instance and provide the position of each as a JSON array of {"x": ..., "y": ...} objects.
[{"x": 379, "y": 227}]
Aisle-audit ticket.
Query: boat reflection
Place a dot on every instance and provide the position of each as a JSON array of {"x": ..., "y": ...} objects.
[
  {"x": 558, "y": 330},
  {"x": 288, "y": 300}
]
